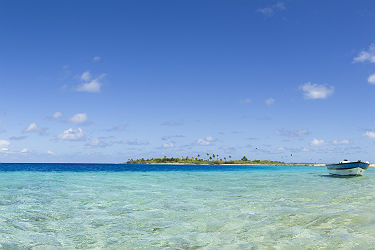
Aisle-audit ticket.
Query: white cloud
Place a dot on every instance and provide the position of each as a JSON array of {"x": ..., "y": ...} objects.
[
  {"x": 370, "y": 134},
  {"x": 366, "y": 55},
  {"x": 321, "y": 142},
  {"x": 4, "y": 144},
  {"x": 90, "y": 85},
  {"x": 292, "y": 133},
  {"x": 371, "y": 79},
  {"x": 57, "y": 115},
  {"x": 118, "y": 128},
  {"x": 86, "y": 76},
  {"x": 79, "y": 118},
  {"x": 72, "y": 135},
  {"x": 168, "y": 145},
  {"x": 96, "y": 59},
  {"x": 173, "y": 123},
  {"x": 34, "y": 128},
  {"x": 299, "y": 132},
  {"x": 50, "y": 152},
  {"x": 168, "y": 137},
  {"x": 317, "y": 142},
  {"x": 17, "y": 138},
  {"x": 316, "y": 91},
  {"x": 281, "y": 149},
  {"x": 246, "y": 100},
  {"x": 135, "y": 142},
  {"x": 96, "y": 142},
  {"x": 340, "y": 142},
  {"x": 25, "y": 150},
  {"x": 270, "y": 101},
  {"x": 206, "y": 141},
  {"x": 203, "y": 142},
  {"x": 271, "y": 10},
  {"x": 210, "y": 138}
]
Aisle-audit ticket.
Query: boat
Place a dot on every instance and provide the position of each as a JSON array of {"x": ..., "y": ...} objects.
[{"x": 348, "y": 168}]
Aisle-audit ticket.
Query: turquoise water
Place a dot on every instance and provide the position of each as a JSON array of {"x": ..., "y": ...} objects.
[{"x": 47, "y": 207}]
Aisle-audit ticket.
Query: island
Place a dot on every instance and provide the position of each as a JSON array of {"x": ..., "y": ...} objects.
[{"x": 214, "y": 159}]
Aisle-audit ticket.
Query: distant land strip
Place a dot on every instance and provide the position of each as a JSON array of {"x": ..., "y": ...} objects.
[{"x": 215, "y": 159}]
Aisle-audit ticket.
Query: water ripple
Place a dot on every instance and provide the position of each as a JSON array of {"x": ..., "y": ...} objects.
[{"x": 285, "y": 208}]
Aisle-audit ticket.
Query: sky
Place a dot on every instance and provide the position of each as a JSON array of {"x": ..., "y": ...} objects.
[{"x": 105, "y": 81}]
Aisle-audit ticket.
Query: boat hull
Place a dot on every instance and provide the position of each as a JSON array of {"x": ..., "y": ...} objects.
[{"x": 348, "y": 169}]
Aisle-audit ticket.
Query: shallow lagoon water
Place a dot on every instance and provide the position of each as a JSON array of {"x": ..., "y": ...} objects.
[{"x": 51, "y": 206}]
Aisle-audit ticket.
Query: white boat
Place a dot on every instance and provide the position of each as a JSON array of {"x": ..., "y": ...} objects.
[{"x": 348, "y": 168}]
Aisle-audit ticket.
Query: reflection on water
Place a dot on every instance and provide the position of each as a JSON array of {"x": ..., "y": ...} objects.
[{"x": 341, "y": 176}]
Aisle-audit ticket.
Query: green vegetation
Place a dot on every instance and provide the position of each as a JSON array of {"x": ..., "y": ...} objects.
[{"x": 212, "y": 159}]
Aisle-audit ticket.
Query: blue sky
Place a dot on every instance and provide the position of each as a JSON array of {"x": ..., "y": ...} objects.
[{"x": 104, "y": 81}]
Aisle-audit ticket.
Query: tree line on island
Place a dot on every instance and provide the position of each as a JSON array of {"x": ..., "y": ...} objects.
[{"x": 213, "y": 159}]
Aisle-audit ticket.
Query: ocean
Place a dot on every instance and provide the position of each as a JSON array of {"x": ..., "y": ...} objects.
[{"x": 65, "y": 206}]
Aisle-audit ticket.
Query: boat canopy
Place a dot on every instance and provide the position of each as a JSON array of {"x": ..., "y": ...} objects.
[{"x": 345, "y": 161}]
